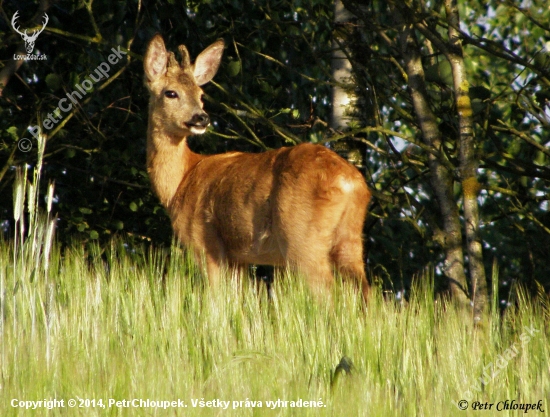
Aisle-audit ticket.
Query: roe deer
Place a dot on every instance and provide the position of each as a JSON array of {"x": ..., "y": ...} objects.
[{"x": 301, "y": 206}]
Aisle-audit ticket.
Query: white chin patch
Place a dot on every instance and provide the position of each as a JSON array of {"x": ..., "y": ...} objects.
[{"x": 196, "y": 130}]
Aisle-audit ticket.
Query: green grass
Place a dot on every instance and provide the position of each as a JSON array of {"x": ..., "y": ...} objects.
[
  {"x": 135, "y": 325},
  {"x": 140, "y": 324}
]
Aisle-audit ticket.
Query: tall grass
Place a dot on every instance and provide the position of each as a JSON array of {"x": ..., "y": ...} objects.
[{"x": 114, "y": 323}]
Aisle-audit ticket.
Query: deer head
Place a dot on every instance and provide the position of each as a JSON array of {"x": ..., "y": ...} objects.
[
  {"x": 176, "y": 96},
  {"x": 29, "y": 39}
]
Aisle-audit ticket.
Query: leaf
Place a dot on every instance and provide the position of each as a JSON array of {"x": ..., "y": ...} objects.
[
  {"x": 133, "y": 206},
  {"x": 265, "y": 87},
  {"x": 33, "y": 275},
  {"x": 118, "y": 225},
  {"x": 53, "y": 81},
  {"x": 234, "y": 68},
  {"x": 479, "y": 92},
  {"x": 94, "y": 234},
  {"x": 440, "y": 73},
  {"x": 293, "y": 31},
  {"x": 85, "y": 210},
  {"x": 12, "y": 131}
]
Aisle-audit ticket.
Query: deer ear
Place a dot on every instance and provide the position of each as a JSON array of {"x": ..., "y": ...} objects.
[
  {"x": 208, "y": 62},
  {"x": 156, "y": 58}
]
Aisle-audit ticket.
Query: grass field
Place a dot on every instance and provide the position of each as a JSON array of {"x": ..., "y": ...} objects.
[
  {"x": 102, "y": 330},
  {"x": 123, "y": 326}
]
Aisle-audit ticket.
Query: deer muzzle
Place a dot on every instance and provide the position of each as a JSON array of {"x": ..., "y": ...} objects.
[{"x": 198, "y": 123}]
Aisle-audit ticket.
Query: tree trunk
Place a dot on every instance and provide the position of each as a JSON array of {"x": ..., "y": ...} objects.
[
  {"x": 468, "y": 162},
  {"x": 342, "y": 98},
  {"x": 440, "y": 176}
]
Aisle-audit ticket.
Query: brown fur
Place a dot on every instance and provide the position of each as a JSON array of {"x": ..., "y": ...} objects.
[{"x": 301, "y": 206}]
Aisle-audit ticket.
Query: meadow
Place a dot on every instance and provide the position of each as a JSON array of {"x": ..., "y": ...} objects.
[
  {"x": 126, "y": 325},
  {"x": 114, "y": 331}
]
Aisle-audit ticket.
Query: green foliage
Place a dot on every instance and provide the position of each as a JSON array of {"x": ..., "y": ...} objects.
[
  {"x": 508, "y": 73},
  {"x": 276, "y": 59}
]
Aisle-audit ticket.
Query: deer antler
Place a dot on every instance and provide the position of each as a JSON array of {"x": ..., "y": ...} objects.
[
  {"x": 38, "y": 32},
  {"x": 26, "y": 37},
  {"x": 14, "y": 18},
  {"x": 172, "y": 63},
  {"x": 185, "y": 59},
  {"x": 46, "y": 20}
]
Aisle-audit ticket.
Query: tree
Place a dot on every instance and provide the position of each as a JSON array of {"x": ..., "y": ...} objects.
[{"x": 436, "y": 96}]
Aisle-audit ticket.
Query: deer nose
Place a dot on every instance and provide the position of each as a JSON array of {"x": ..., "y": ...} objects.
[{"x": 200, "y": 119}]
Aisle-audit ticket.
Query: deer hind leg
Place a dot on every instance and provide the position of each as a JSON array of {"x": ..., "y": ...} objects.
[
  {"x": 347, "y": 252},
  {"x": 313, "y": 263},
  {"x": 318, "y": 275},
  {"x": 306, "y": 248},
  {"x": 347, "y": 256},
  {"x": 321, "y": 279}
]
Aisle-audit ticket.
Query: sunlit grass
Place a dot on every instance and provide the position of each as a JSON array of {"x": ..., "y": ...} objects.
[
  {"x": 134, "y": 325},
  {"x": 114, "y": 323}
]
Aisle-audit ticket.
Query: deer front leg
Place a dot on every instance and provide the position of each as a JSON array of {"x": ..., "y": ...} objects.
[
  {"x": 213, "y": 271},
  {"x": 218, "y": 267}
]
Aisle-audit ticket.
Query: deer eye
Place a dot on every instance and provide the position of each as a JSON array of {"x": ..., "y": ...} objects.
[{"x": 170, "y": 94}]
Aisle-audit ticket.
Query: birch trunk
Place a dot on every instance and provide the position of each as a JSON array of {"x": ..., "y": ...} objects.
[
  {"x": 342, "y": 98},
  {"x": 468, "y": 162},
  {"x": 441, "y": 178}
]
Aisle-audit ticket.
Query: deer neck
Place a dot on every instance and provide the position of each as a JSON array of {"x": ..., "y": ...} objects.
[{"x": 169, "y": 159}]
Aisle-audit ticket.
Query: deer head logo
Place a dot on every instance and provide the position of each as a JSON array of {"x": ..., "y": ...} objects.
[{"x": 29, "y": 39}]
